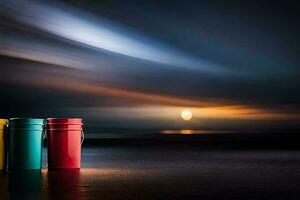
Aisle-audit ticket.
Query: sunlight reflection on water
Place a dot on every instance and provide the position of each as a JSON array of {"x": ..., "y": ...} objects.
[{"x": 193, "y": 131}]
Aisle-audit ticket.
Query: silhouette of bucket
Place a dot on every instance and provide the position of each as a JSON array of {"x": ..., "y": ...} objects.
[
  {"x": 3, "y": 125},
  {"x": 25, "y": 139},
  {"x": 64, "y": 138}
]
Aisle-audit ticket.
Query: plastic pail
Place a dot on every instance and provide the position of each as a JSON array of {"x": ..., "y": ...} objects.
[
  {"x": 25, "y": 137},
  {"x": 3, "y": 125},
  {"x": 64, "y": 138}
]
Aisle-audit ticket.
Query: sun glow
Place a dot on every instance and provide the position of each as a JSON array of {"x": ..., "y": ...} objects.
[{"x": 186, "y": 115}]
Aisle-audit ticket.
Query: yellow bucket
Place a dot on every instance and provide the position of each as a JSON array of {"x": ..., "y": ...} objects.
[{"x": 3, "y": 124}]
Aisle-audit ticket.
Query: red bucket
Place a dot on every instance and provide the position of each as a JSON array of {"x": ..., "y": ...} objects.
[{"x": 64, "y": 136}]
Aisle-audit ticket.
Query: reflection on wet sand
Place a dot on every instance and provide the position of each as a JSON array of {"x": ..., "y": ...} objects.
[
  {"x": 3, "y": 185},
  {"x": 25, "y": 184},
  {"x": 87, "y": 183},
  {"x": 163, "y": 173},
  {"x": 62, "y": 184},
  {"x": 193, "y": 131},
  {"x": 58, "y": 184}
]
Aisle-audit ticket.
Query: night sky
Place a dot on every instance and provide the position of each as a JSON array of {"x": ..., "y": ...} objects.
[{"x": 132, "y": 64}]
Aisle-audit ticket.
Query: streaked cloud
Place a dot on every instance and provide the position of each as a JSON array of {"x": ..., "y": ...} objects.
[{"x": 77, "y": 26}]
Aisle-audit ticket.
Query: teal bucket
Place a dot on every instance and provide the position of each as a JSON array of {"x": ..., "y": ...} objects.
[{"x": 25, "y": 140}]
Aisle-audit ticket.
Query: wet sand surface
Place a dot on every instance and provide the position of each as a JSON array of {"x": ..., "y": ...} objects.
[{"x": 163, "y": 173}]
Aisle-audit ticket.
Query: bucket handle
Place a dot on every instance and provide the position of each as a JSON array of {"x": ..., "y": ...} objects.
[
  {"x": 82, "y": 137},
  {"x": 44, "y": 134}
]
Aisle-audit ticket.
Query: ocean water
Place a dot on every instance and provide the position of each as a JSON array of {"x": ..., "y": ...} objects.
[{"x": 163, "y": 172}]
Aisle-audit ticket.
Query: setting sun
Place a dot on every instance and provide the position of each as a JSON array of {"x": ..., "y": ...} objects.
[{"x": 186, "y": 115}]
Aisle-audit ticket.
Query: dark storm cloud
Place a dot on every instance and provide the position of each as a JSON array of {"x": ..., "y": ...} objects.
[{"x": 191, "y": 53}]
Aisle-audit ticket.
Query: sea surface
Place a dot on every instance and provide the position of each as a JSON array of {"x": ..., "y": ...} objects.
[{"x": 163, "y": 171}]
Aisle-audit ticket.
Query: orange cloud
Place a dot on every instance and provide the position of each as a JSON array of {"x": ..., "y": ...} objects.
[{"x": 168, "y": 105}]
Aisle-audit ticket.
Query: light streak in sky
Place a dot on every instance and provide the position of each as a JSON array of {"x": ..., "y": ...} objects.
[{"x": 76, "y": 26}]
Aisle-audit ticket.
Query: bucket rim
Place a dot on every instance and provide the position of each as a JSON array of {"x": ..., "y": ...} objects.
[
  {"x": 25, "y": 125},
  {"x": 3, "y": 121},
  {"x": 64, "y": 120},
  {"x": 23, "y": 131},
  {"x": 62, "y": 124},
  {"x": 64, "y": 130},
  {"x": 37, "y": 121}
]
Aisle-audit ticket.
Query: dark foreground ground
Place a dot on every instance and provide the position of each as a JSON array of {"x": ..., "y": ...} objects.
[{"x": 164, "y": 171}]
